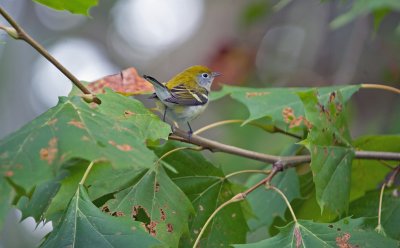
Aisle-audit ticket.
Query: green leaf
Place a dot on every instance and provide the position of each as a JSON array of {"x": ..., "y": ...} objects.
[
  {"x": 206, "y": 187},
  {"x": 6, "y": 196},
  {"x": 307, "y": 207},
  {"x": 84, "y": 225},
  {"x": 155, "y": 200},
  {"x": 329, "y": 144},
  {"x": 367, "y": 206},
  {"x": 105, "y": 179},
  {"x": 73, "y": 6},
  {"x": 270, "y": 102},
  {"x": 288, "y": 182},
  {"x": 42, "y": 197},
  {"x": 116, "y": 131},
  {"x": 379, "y": 7},
  {"x": 344, "y": 233},
  {"x": 367, "y": 175}
]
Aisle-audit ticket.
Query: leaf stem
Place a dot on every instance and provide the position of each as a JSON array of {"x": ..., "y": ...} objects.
[
  {"x": 198, "y": 148},
  {"x": 22, "y": 35},
  {"x": 216, "y": 124},
  {"x": 236, "y": 198},
  {"x": 285, "y": 199},
  {"x": 85, "y": 175},
  {"x": 221, "y": 123},
  {"x": 381, "y": 87},
  {"x": 247, "y": 171},
  {"x": 380, "y": 207}
]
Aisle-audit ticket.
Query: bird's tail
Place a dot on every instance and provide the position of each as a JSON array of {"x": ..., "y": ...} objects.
[{"x": 154, "y": 81}]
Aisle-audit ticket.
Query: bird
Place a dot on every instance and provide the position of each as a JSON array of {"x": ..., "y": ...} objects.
[{"x": 185, "y": 96}]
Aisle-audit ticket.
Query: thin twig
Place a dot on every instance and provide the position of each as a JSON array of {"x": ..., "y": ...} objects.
[
  {"x": 22, "y": 35},
  {"x": 386, "y": 164},
  {"x": 392, "y": 178},
  {"x": 381, "y": 87},
  {"x": 277, "y": 167}
]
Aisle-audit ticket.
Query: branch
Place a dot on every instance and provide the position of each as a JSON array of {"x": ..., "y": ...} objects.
[
  {"x": 20, "y": 34},
  {"x": 286, "y": 161}
]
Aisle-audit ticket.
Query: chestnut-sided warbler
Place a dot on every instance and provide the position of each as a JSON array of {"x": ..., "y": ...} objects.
[{"x": 185, "y": 96}]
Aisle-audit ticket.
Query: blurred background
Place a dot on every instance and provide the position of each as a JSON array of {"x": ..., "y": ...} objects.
[
  {"x": 257, "y": 43},
  {"x": 261, "y": 43}
]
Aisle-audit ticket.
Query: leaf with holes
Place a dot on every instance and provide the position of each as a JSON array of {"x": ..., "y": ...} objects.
[
  {"x": 344, "y": 233},
  {"x": 207, "y": 188},
  {"x": 328, "y": 141},
  {"x": 84, "y": 225},
  {"x": 115, "y": 131},
  {"x": 282, "y": 105},
  {"x": 157, "y": 202},
  {"x": 73, "y": 6}
]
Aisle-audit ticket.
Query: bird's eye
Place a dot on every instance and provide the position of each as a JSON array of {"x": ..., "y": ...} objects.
[{"x": 204, "y": 75}]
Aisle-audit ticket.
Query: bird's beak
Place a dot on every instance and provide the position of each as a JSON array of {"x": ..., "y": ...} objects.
[{"x": 216, "y": 74}]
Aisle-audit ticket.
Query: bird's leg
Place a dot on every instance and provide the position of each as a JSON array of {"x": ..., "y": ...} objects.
[
  {"x": 172, "y": 128},
  {"x": 190, "y": 131},
  {"x": 165, "y": 114}
]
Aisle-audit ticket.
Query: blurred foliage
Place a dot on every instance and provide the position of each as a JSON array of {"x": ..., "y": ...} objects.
[
  {"x": 73, "y": 6},
  {"x": 378, "y": 8}
]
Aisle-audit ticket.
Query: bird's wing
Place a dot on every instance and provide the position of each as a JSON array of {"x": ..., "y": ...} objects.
[{"x": 189, "y": 97}]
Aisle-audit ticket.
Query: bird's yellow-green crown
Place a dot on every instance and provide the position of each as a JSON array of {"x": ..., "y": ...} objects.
[{"x": 188, "y": 75}]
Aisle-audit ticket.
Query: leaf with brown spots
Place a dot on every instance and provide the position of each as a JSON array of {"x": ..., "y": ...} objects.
[
  {"x": 353, "y": 233},
  {"x": 49, "y": 153},
  {"x": 127, "y": 82},
  {"x": 157, "y": 202},
  {"x": 83, "y": 223},
  {"x": 71, "y": 130},
  {"x": 205, "y": 186},
  {"x": 329, "y": 143},
  {"x": 77, "y": 124},
  {"x": 271, "y": 102}
]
